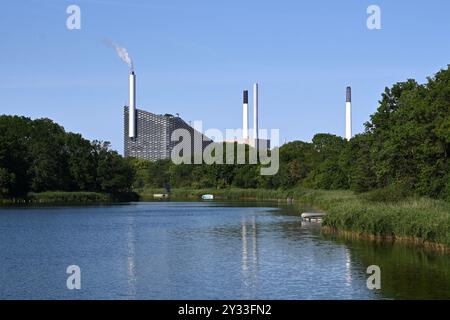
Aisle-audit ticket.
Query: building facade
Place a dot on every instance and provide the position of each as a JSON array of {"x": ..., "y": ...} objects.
[{"x": 152, "y": 140}]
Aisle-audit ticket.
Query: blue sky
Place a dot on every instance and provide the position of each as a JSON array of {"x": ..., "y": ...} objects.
[{"x": 194, "y": 57}]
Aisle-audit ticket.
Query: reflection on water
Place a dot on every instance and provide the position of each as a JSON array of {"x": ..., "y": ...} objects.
[
  {"x": 407, "y": 272},
  {"x": 170, "y": 250},
  {"x": 250, "y": 273},
  {"x": 348, "y": 267},
  {"x": 131, "y": 252},
  {"x": 244, "y": 248}
]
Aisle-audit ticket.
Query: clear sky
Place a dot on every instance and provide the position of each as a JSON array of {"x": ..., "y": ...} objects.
[{"x": 194, "y": 57}]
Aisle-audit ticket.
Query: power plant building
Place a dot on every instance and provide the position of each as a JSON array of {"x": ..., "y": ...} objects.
[
  {"x": 148, "y": 136},
  {"x": 152, "y": 140}
]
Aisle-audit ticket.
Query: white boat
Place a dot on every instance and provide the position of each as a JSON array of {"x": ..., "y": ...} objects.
[
  {"x": 160, "y": 195},
  {"x": 207, "y": 197}
]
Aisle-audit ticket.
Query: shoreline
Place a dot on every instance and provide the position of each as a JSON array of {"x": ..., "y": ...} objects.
[
  {"x": 420, "y": 221},
  {"x": 416, "y": 242},
  {"x": 69, "y": 198}
]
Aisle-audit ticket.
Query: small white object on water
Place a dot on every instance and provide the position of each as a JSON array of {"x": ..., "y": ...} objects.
[{"x": 316, "y": 216}]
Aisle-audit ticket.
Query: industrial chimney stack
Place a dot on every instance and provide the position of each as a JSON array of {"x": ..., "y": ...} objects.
[
  {"x": 348, "y": 114},
  {"x": 245, "y": 117},
  {"x": 255, "y": 114},
  {"x": 132, "y": 107}
]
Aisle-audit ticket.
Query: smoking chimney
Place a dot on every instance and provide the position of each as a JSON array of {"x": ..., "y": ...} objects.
[
  {"x": 255, "y": 113},
  {"x": 348, "y": 114},
  {"x": 245, "y": 117},
  {"x": 132, "y": 107}
]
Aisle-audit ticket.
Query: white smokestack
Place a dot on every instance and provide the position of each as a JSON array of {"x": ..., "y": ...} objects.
[
  {"x": 255, "y": 113},
  {"x": 125, "y": 57},
  {"x": 348, "y": 114},
  {"x": 245, "y": 117},
  {"x": 132, "y": 107}
]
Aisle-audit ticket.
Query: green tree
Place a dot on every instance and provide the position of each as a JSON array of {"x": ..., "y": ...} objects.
[{"x": 115, "y": 174}]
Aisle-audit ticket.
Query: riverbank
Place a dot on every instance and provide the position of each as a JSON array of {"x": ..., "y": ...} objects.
[
  {"x": 420, "y": 220},
  {"x": 79, "y": 197},
  {"x": 225, "y": 194}
]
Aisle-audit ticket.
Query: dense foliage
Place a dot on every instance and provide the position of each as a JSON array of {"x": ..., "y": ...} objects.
[
  {"x": 404, "y": 150},
  {"x": 38, "y": 155}
]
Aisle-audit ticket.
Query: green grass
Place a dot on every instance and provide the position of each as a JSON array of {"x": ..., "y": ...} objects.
[
  {"x": 67, "y": 197},
  {"x": 75, "y": 197},
  {"x": 420, "y": 219},
  {"x": 58, "y": 197}
]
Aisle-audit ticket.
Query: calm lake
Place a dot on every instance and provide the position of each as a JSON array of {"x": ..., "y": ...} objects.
[{"x": 201, "y": 250}]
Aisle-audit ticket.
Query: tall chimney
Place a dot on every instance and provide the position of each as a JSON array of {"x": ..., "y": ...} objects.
[
  {"x": 132, "y": 107},
  {"x": 255, "y": 114},
  {"x": 348, "y": 114},
  {"x": 245, "y": 117}
]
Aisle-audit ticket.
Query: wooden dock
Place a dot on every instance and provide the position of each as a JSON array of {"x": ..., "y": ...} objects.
[{"x": 313, "y": 216}]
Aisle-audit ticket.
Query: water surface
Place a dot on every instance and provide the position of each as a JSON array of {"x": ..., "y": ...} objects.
[{"x": 200, "y": 250}]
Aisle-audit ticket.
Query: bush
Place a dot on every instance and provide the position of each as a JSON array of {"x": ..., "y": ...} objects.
[{"x": 392, "y": 193}]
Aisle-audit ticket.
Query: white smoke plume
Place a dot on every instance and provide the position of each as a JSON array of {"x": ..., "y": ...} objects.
[{"x": 123, "y": 55}]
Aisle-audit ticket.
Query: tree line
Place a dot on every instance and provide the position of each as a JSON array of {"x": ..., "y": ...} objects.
[
  {"x": 38, "y": 155},
  {"x": 404, "y": 150}
]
